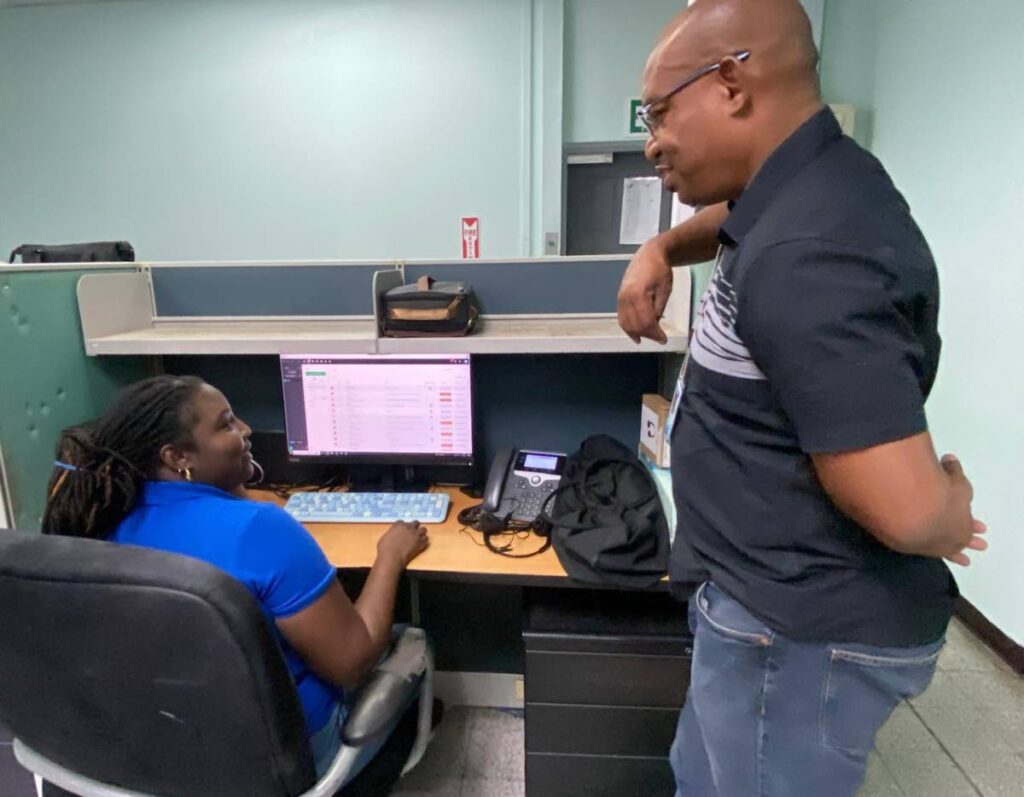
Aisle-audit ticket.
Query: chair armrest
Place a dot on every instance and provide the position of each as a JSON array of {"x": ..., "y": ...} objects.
[{"x": 388, "y": 689}]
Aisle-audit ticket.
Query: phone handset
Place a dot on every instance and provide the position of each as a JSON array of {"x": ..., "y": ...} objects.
[{"x": 496, "y": 478}]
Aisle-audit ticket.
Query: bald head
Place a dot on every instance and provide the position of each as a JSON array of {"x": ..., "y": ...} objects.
[
  {"x": 776, "y": 32},
  {"x": 714, "y": 117}
]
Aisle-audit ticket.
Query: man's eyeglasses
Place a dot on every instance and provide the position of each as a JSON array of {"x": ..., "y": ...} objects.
[{"x": 650, "y": 121}]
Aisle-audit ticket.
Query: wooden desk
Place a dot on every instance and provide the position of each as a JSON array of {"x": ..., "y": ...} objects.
[{"x": 454, "y": 554}]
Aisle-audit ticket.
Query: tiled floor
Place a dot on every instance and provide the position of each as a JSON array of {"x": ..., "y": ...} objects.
[{"x": 964, "y": 737}]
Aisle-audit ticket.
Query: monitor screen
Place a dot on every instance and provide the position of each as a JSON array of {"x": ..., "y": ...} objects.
[{"x": 379, "y": 408}]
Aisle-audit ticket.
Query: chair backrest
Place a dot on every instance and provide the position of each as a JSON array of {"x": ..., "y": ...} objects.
[{"x": 146, "y": 670}]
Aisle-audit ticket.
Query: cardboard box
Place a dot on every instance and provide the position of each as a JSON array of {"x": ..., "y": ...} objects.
[{"x": 653, "y": 420}]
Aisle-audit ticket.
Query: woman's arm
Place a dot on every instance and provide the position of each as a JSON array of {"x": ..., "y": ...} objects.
[{"x": 341, "y": 640}]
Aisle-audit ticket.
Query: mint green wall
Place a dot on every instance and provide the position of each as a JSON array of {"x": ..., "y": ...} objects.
[
  {"x": 948, "y": 121},
  {"x": 302, "y": 129},
  {"x": 946, "y": 124},
  {"x": 606, "y": 46},
  {"x": 849, "y": 47}
]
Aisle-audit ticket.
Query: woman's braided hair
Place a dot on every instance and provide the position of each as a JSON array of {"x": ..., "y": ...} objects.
[{"x": 104, "y": 462}]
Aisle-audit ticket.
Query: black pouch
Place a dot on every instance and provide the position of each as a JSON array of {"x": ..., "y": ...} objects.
[
  {"x": 429, "y": 308},
  {"x": 97, "y": 252}
]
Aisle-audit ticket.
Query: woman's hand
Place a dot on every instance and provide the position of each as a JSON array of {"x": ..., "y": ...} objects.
[{"x": 403, "y": 542}]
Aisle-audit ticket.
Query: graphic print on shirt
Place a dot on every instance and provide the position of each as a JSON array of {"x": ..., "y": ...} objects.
[{"x": 715, "y": 344}]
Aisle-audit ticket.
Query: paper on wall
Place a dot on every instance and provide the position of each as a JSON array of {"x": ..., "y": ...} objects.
[{"x": 641, "y": 209}]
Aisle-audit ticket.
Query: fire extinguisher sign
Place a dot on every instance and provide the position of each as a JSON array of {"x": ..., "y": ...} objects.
[{"x": 470, "y": 237}]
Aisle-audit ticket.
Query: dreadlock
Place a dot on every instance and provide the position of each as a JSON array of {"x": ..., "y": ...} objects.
[{"x": 104, "y": 462}]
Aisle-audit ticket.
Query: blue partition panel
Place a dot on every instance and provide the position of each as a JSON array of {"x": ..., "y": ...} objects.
[
  {"x": 264, "y": 290},
  {"x": 534, "y": 286}
]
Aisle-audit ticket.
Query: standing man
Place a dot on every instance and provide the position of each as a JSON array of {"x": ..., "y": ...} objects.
[{"x": 813, "y": 511}]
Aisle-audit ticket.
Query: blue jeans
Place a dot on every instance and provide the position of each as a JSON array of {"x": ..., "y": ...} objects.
[
  {"x": 766, "y": 716},
  {"x": 326, "y": 742}
]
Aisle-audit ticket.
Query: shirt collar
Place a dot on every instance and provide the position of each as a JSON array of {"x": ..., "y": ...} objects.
[
  {"x": 790, "y": 157},
  {"x": 157, "y": 493}
]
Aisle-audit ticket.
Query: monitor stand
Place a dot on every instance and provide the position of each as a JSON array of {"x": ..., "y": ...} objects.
[{"x": 385, "y": 479}]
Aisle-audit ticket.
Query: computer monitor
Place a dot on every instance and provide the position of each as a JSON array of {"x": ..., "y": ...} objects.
[{"x": 397, "y": 409}]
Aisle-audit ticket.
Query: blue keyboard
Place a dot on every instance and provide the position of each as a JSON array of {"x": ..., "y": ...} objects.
[{"x": 367, "y": 507}]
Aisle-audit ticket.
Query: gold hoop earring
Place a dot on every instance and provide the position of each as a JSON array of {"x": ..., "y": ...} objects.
[{"x": 187, "y": 473}]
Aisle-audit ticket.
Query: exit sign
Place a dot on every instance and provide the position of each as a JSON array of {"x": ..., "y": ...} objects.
[{"x": 635, "y": 125}]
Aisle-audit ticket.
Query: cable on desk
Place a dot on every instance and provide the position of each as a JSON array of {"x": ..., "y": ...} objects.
[{"x": 473, "y": 517}]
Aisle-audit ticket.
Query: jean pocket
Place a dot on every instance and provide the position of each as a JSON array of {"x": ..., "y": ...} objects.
[
  {"x": 863, "y": 686},
  {"x": 727, "y": 618}
]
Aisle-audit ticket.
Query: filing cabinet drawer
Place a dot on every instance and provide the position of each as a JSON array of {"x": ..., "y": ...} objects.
[
  {"x": 587, "y": 776},
  {"x": 600, "y": 730},
  {"x": 603, "y": 679}
]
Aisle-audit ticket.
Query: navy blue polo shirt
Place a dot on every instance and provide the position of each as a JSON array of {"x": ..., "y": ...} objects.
[
  {"x": 259, "y": 544},
  {"x": 817, "y": 334}
]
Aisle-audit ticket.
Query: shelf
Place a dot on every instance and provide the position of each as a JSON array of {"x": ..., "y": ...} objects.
[
  {"x": 350, "y": 336},
  {"x": 535, "y": 336},
  {"x": 550, "y": 335},
  {"x": 118, "y": 318}
]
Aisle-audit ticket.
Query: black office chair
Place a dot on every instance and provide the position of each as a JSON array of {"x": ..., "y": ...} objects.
[{"x": 130, "y": 672}]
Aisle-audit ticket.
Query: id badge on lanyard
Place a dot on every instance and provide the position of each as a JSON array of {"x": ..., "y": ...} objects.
[{"x": 677, "y": 394}]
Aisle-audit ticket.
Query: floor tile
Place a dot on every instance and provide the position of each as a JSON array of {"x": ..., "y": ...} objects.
[
  {"x": 928, "y": 775},
  {"x": 981, "y": 747},
  {"x": 879, "y": 781},
  {"x": 964, "y": 651},
  {"x": 995, "y": 690},
  {"x": 488, "y": 787},
  {"x": 445, "y": 759},
  {"x": 944, "y": 691},
  {"x": 442, "y": 787},
  {"x": 961, "y": 731},
  {"x": 905, "y": 731},
  {"x": 15, "y": 780},
  {"x": 994, "y": 775},
  {"x": 495, "y": 746}
]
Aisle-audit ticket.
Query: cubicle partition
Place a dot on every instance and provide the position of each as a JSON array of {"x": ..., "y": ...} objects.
[
  {"x": 46, "y": 380},
  {"x": 552, "y": 364},
  {"x": 551, "y": 367}
]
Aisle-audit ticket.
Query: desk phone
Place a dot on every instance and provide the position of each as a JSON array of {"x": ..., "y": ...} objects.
[{"x": 519, "y": 482}]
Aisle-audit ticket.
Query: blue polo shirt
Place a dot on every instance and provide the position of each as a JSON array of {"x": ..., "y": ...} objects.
[{"x": 259, "y": 544}]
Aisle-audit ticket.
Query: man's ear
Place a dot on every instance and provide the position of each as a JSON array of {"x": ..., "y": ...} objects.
[
  {"x": 735, "y": 88},
  {"x": 171, "y": 456}
]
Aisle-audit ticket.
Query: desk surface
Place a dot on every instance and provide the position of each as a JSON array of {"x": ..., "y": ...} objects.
[{"x": 453, "y": 552}]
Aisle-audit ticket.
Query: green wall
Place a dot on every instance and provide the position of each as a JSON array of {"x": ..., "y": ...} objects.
[
  {"x": 231, "y": 129},
  {"x": 943, "y": 94},
  {"x": 606, "y": 46}
]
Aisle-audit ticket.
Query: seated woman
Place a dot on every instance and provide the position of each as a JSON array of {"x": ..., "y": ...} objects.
[{"x": 165, "y": 468}]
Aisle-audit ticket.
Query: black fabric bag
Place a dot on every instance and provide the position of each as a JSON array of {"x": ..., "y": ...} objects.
[
  {"x": 607, "y": 522},
  {"x": 98, "y": 252},
  {"x": 429, "y": 308}
]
